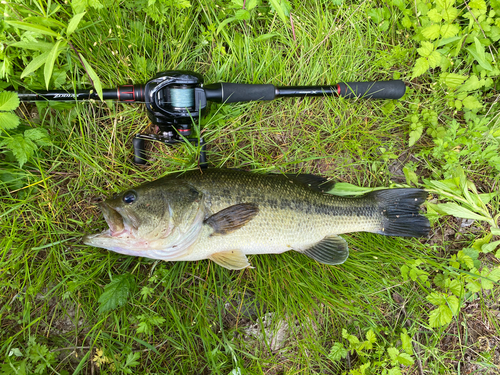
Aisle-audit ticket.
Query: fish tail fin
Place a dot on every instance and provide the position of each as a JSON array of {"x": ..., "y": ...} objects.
[{"x": 400, "y": 210}]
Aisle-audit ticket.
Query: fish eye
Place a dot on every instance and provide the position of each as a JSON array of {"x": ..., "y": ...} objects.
[{"x": 129, "y": 197}]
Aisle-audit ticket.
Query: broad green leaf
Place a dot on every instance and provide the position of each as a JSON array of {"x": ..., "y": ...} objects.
[
  {"x": 488, "y": 248},
  {"x": 345, "y": 188},
  {"x": 143, "y": 328},
  {"x": 440, "y": 316},
  {"x": 405, "y": 359},
  {"x": 431, "y": 32},
  {"x": 36, "y": 63},
  {"x": 282, "y": 8},
  {"x": 478, "y": 4},
  {"x": 73, "y": 23},
  {"x": 458, "y": 211},
  {"x": 470, "y": 102},
  {"x": 471, "y": 84},
  {"x": 489, "y": 278},
  {"x": 250, "y": 4},
  {"x": 224, "y": 23},
  {"x": 445, "y": 4},
  {"x": 8, "y": 121},
  {"x": 38, "y": 135},
  {"x": 8, "y": 101},
  {"x": 242, "y": 14},
  {"x": 79, "y": 6},
  {"x": 93, "y": 76},
  {"x": 478, "y": 244},
  {"x": 415, "y": 134},
  {"x": 495, "y": 231},
  {"x": 406, "y": 343},
  {"x": 474, "y": 286},
  {"x": 494, "y": 274},
  {"x": 421, "y": 66},
  {"x": 494, "y": 33},
  {"x": 434, "y": 59},
  {"x": 456, "y": 287},
  {"x": 434, "y": 15},
  {"x": 448, "y": 30},
  {"x": 446, "y": 41},
  {"x": 37, "y": 46},
  {"x": 406, "y": 22},
  {"x": 337, "y": 352},
  {"x": 479, "y": 55},
  {"x": 21, "y": 147},
  {"x": 436, "y": 298},
  {"x": 394, "y": 371},
  {"x": 450, "y": 14},
  {"x": 265, "y": 37},
  {"x": 49, "y": 63},
  {"x": 426, "y": 49},
  {"x": 117, "y": 292},
  {"x": 33, "y": 27},
  {"x": 371, "y": 337},
  {"x": 44, "y": 21},
  {"x": 453, "y": 304},
  {"x": 393, "y": 353},
  {"x": 404, "y": 272},
  {"x": 97, "y": 4}
]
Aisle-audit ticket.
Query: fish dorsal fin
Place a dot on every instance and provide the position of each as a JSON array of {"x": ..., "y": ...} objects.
[
  {"x": 231, "y": 259},
  {"x": 232, "y": 218},
  {"x": 316, "y": 183},
  {"x": 330, "y": 250}
]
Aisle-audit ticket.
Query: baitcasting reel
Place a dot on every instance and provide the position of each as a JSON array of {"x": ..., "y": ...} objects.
[{"x": 176, "y": 99}]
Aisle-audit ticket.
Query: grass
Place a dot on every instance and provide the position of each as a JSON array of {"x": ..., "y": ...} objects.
[{"x": 196, "y": 317}]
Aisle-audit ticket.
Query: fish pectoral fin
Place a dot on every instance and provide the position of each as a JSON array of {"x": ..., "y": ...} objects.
[
  {"x": 330, "y": 250},
  {"x": 232, "y": 218},
  {"x": 231, "y": 259}
]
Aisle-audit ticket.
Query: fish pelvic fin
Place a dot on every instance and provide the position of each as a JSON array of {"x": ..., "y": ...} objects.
[
  {"x": 400, "y": 212},
  {"x": 232, "y": 218},
  {"x": 330, "y": 250},
  {"x": 231, "y": 259}
]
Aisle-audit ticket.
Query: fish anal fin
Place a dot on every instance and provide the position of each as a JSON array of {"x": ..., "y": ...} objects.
[
  {"x": 231, "y": 259},
  {"x": 232, "y": 218},
  {"x": 330, "y": 250}
]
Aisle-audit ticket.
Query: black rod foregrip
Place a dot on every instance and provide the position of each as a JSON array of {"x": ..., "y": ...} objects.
[
  {"x": 372, "y": 90},
  {"x": 239, "y": 92}
]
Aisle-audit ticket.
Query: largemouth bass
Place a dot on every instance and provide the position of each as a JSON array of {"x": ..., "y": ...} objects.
[{"x": 223, "y": 215}]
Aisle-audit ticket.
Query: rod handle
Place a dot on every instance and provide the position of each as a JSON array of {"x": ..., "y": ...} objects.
[
  {"x": 239, "y": 92},
  {"x": 372, "y": 90}
]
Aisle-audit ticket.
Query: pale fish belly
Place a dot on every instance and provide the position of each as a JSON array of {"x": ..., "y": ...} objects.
[{"x": 277, "y": 232}]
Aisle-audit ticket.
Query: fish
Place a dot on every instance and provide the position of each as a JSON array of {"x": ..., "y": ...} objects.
[{"x": 224, "y": 215}]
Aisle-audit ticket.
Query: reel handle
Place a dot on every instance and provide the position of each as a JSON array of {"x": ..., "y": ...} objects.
[{"x": 140, "y": 156}]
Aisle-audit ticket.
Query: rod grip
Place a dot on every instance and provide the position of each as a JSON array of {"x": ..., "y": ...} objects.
[
  {"x": 239, "y": 92},
  {"x": 372, "y": 90}
]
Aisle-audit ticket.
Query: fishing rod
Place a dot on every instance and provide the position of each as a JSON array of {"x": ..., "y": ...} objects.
[{"x": 176, "y": 99}]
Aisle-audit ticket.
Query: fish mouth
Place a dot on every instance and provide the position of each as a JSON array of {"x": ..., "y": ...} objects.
[{"x": 120, "y": 225}]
